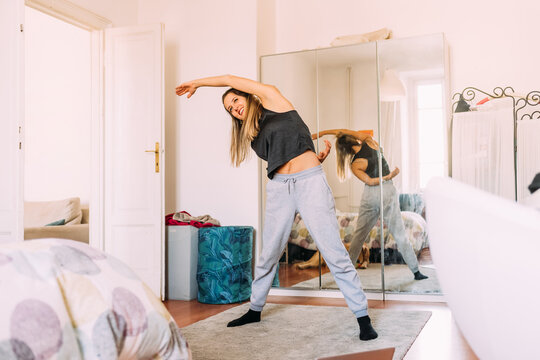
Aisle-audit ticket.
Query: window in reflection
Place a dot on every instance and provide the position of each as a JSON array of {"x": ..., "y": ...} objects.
[
  {"x": 423, "y": 133},
  {"x": 431, "y": 134}
]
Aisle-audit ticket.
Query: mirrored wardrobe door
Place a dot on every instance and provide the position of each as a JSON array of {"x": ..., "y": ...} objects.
[
  {"x": 347, "y": 88},
  {"x": 295, "y": 75},
  {"x": 413, "y": 120}
]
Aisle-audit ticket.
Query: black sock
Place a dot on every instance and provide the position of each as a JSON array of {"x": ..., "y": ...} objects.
[
  {"x": 419, "y": 276},
  {"x": 249, "y": 317},
  {"x": 367, "y": 332}
]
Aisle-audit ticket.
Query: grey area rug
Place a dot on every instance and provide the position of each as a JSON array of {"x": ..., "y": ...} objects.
[
  {"x": 397, "y": 278},
  {"x": 300, "y": 332}
]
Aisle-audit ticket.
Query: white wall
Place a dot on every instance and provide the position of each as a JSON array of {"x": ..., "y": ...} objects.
[
  {"x": 57, "y": 114},
  {"x": 119, "y": 12},
  {"x": 491, "y": 43},
  {"x": 266, "y": 27},
  {"x": 205, "y": 38}
]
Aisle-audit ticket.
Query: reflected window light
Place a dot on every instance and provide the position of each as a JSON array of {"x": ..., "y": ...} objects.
[
  {"x": 431, "y": 131},
  {"x": 391, "y": 87}
]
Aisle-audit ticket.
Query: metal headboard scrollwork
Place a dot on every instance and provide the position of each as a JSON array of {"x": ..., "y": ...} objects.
[
  {"x": 469, "y": 93},
  {"x": 532, "y": 99}
]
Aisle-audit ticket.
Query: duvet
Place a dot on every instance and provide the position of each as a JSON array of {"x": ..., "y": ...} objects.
[{"x": 62, "y": 299}]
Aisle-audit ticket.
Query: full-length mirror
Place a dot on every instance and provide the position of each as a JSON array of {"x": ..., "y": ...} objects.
[
  {"x": 340, "y": 88},
  {"x": 295, "y": 75},
  {"x": 333, "y": 88},
  {"x": 348, "y": 101},
  {"x": 413, "y": 89}
]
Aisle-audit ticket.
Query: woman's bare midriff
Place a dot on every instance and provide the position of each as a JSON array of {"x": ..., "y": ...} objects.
[{"x": 302, "y": 162}]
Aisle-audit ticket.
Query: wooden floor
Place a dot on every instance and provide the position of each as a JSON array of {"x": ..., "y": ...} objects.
[
  {"x": 289, "y": 275},
  {"x": 440, "y": 339}
]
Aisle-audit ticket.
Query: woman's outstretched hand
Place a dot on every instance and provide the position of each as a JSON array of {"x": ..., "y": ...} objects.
[
  {"x": 392, "y": 174},
  {"x": 187, "y": 87},
  {"x": 323, "y": 154}
]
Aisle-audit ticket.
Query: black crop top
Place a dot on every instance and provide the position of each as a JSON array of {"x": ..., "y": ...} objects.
[
  {"x": 370, "y": 154},
  {"x": 282, "y": 137}
]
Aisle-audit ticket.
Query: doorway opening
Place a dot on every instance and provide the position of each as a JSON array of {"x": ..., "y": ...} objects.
[{"x": 58, "y": 115}]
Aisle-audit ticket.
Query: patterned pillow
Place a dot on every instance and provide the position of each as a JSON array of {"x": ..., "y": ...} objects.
[
  {"x": 415, "y": 231},
  {"x": 69, "y": 300}
]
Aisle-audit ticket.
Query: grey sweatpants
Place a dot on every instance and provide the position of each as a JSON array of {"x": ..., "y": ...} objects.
[
  {"x": 308, "y": 193},
  {"x": 368, "y": 216}
]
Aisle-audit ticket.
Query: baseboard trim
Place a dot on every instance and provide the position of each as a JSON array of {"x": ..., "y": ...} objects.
[{"x": 439, "y": 298}]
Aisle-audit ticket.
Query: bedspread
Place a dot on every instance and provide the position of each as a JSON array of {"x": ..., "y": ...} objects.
[
  {"x": 415, "y": 229},
  {"x": 62, "y": 299}
]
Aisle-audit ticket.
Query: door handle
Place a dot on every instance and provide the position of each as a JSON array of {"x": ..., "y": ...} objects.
[{"x": 156, "y": 152}]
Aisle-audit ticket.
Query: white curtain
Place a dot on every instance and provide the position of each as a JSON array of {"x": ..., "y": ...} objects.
[
  {"x": 391, "y": 138},
  {"x": 482, "y": 149},
  {"x": 528, "y": 154}
]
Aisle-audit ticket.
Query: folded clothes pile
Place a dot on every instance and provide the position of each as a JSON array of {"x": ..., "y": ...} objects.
[{"x": 184, "y": 218}]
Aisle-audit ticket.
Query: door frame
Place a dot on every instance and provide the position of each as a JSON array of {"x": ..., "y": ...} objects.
[
  {"x": 12, "y": 89},
  {"x": 82, "y": 18}
]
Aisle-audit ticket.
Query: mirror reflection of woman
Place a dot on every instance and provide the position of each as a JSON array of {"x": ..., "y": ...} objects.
[
  {"x": 265, "y": 120},
  {"x": 358, "y": 151}
]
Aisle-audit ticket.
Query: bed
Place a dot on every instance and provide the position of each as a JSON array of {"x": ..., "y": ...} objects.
[
  {"x": 63, "y": 299},
  {"x": 487, "y": 293}
]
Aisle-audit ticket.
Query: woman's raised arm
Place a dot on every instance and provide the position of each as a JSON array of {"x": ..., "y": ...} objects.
[
  {"x": 359, "y": 171},
  {"x": 269, "y": 94},
  {"x": 360, "y": 135}
]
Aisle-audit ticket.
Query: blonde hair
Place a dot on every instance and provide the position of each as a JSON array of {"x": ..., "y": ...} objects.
[
  {"x": 243, "y": 132},
  {"x": 344, "y": 154}
]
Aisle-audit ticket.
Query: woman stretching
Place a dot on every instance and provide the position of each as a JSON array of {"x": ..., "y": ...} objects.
[
  {"x": 263, "y": 118},
  {"x": 360, "y": 151}
]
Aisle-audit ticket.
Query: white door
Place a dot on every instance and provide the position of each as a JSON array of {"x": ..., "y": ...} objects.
[
  {"x": 11, "y": 119},
  {"x": 133, "y": 130}
]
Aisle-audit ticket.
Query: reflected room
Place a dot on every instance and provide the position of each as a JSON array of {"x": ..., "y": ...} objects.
[{"x": 395, "y": 91}]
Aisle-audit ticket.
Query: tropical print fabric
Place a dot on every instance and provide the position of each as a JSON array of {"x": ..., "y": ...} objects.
[
  {"x": 224, "y": 264},
  {"x": 62, "y": 299},
  {"x": 412, "y": 202}
]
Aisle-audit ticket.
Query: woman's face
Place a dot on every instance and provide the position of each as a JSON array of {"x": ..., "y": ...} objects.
[{"x": 236, "y": 105}]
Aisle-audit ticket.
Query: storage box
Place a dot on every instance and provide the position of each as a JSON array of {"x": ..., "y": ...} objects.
[{"x": 182, "y": 251}]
